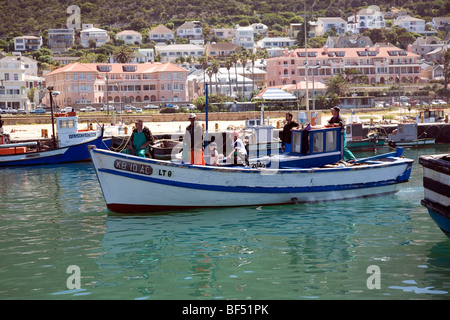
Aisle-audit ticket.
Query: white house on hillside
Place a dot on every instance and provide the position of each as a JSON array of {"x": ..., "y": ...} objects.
[
  {"x": 88, "y": 32},
  {"x": 411, "y": 24},
  {"x": 244, "y": 37},
  {"x": 190, "y": 29},
  {"x": 326, "y": 24},
  {"x": 129, "y": 37},
  {"x": 367, "y": 18}
]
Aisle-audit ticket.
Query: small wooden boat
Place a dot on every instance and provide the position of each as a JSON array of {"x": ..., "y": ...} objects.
[{"x": 436, "y": 184}]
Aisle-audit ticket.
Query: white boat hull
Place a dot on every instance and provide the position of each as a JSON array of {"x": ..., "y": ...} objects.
[{"x": 133, "y": 184}]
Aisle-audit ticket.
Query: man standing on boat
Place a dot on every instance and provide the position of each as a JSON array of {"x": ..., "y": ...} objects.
[
  {"x": 193, "y": 141},
  {"x": 336, "y": 120},
  {"x": 140, "y": 139},
  {"x": 286, "y": 135},
  {"x": 238, "y": 155}
]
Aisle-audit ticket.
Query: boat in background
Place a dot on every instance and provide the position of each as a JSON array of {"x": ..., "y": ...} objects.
[
  {"x": 406, "y": 136},
  {"x": 436, "y": 184},
  {"x": 68, "y": 145},
  {"x": 313, "y": 171},
  {"x": 357, "y": 141}
]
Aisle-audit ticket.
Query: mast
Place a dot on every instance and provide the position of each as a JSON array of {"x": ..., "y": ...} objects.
[
  {"x": 50, "y": 90},
  {"x": 306, "y": 59}
]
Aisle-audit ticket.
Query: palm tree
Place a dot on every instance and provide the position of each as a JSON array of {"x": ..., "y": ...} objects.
[
  {"x": 244, "y": 59},
  {"x": 235, "y": 59},
  {"x": 228, "y": 65},
  {"x": 204, "y": 63},
  {"x": 124, "y": 54},
  {"x": 215, "y": 66},
  {"x": 253, "y": 57}
]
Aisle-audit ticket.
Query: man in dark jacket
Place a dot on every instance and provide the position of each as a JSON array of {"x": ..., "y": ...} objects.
[{"x": 286, "y": 135}]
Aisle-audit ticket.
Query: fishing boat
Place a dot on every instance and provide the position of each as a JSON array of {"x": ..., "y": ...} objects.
[
  {"x": 356, "y": 140},
  {"x": 68, "y": 144},
  {"x": 406, "y": 136},
  {"x": 313, "y": 171},
  {"x": 436, "y": 184}
]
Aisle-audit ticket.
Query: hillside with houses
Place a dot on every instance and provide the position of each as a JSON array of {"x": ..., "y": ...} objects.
[{"x": 156, "y": 56}]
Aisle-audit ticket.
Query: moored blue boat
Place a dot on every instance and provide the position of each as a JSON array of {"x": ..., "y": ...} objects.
[{"x": 70, "y": 145}]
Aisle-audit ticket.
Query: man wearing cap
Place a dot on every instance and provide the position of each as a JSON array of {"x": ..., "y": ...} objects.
[
  {"x": 193, "y": 141},
  {"x": 140, "y": 139},
  {"x": 337, "y": 120}
]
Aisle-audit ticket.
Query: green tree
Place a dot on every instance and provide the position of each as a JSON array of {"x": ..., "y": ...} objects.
[{"x": 337, "y": 85}]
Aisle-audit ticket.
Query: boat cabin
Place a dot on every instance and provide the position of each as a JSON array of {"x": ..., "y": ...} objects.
[
  {"x": 431, "y": 115},
  {"x": 404, "y": 132},
  {"x": 316, "y": 147},
  {"x": 68, "y": 133}
]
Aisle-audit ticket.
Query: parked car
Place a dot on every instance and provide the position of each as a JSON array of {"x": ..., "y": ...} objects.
[
  {"x": 90, "y": 109},
  {"x": 38, "y": 110},
  {"x": 424, "y": 103},
  {"x": 151, "y": 106},
  {"x": 438, "y": 102},
  {"x": 189, "y": 106},
  {"x": 138, "y": 110},
  {"x": 105, "y": 108}
]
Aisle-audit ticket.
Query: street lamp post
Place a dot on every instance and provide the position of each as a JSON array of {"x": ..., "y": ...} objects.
[{"x": 314, "y": 93}]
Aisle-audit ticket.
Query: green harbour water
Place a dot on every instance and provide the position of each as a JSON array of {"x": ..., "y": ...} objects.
[{"x": 54, "y": 217}]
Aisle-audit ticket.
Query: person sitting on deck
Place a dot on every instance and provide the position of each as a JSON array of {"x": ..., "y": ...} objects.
[
  {"x": 336, "y": 120},
  {"x": 140, "y": 139}
]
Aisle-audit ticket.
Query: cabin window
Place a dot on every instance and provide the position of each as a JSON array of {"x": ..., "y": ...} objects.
[
  {"x": 296, "y": 141},
  {"x": 66, "y": 123},
  {"x": 331, "y": 144},
  {"x": 317, "y": 142}
]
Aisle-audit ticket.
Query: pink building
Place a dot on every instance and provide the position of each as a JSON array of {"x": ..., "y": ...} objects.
[
  {"x": 90, "y": 83},
  {"x": 378, "y": 64}
]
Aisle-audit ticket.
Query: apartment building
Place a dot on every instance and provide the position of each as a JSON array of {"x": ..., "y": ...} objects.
[
  {"x": 27, "y": 43},
  {"x": 275, "y": 42},
  {"x": 377, "y": 64},
  {"x": 61, "y": 40},
  {"x": 13, "y": 92},
  {"x": 169, "y": 53},
  {"x": 89, "y": 83}
]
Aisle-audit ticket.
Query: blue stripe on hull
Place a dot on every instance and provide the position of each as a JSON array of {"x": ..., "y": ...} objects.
[{"x": 248, "y": 189}]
